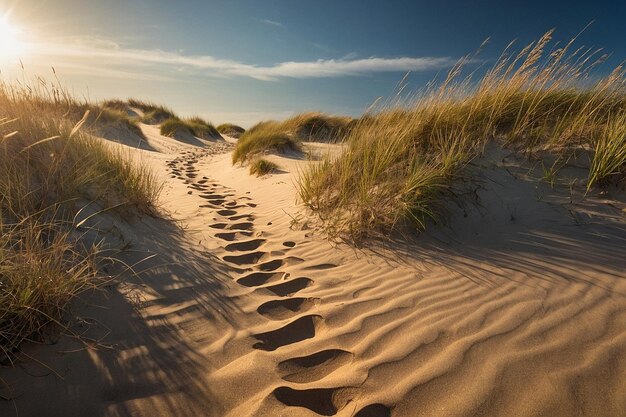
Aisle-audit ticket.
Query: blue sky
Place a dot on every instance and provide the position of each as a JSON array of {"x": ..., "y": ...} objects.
[{"x": 244, "y": 61}]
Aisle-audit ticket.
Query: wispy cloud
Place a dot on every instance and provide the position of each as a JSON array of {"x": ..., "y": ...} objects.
[
  {"x": 103, "y": 54},
  {"x": 324, "y": 48},
  {"x": 270, "y": 22}
]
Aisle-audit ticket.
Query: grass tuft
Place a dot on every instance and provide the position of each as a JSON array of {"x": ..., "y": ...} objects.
[
  {"x": 231, "y": 130},
  {"x": 173, "y": 127},
  {"x": 262, "y": 167},
  {"x": 609, "y": 159},
  {"x": 194, "y": 126},
  {"x": 152, "y": 113},
  {"x": 263, "y": 138},
  {"x": 273, "y": 136}
]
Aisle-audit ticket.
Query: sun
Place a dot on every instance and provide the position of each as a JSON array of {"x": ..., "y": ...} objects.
[{"x": 11, "y": 47}]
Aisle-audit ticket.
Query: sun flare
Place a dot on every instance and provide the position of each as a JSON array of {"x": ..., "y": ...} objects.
[{"x": 11, "y": 46}]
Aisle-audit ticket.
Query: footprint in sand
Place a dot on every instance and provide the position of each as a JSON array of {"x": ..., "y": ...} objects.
[
  {"x": 290, "y": 287},
  {"x": 256, "y": 279},
  {"x": 298, "y": 330},
  {"x": 232, "y": 236},
  {"x": 318, "y": 400},
  {"x": 245, "y": 246},
  {"x": 226, "y": 212},
  {"x": 248, "y": 217},
  {"x": 241, "y": 226},
  {"x": 245, "y": 259},
  {"x": 314, "y": 367},
  {"x": 287, "y": 307},
  {"x": 374, "y": 410}
]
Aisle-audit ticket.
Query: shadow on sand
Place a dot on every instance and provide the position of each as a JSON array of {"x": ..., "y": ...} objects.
[{"x": 139, "y": 342}]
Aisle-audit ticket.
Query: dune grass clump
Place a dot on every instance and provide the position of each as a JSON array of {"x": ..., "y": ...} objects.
[
  {"x": 41, "y": 270},
  {"x": 194, "y": 126},
  {"x": 171, "y": 127},
  {"x": 400, "y": 162},
  {"x": 262, "y": 167},
  {"x": 609, "y": 159},
  {"x": 202, "y": 128},
  {"x": 110, "y": 116},
  {"x": 152, "y": 113},
  {"x": 317, "y": 127},
  {"x": 231, "y": 130},
  {"x": 263, "y": 138},
  {"x": 50, "y": 166},
  {"x": 115, "y": 104},
  {"x": 288, "y": 135}
]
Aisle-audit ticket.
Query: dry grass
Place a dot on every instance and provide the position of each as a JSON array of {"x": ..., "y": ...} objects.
[
  {"x": 103, "y": 116},
  {"x": 231, "y": 130},
  {"x": 194, "y": 126},
  {"x": 273, "y": 136},
  {"x": 609, "y": 159},
  {"x": 152, "y": 113},
  {"x": 49, "y": 162},
  {"x": 401, "y": 160},
  {"x": 260, "y": 167},
  {"x": 263, "y": 138},
  {"x": 317, "y": 127},
  {"x": 202, "y": 128}
]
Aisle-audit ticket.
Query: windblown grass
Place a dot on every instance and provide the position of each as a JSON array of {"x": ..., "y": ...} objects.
[
  {"x": 49, "y": 163},
  {"x": 260, "y": 167},
  {"x": 231, "y": 130},
  {"x": 152, "y": 113},
  {"x": 273, "y": 136},
  {"x": 103, "y": 116},
  {"x": 202, "y": 128},
  {"x": 195, "y": 126},
  {"x": 172, "y": 127},
  {"x": 317, "y": 127},
  {"x": 401, "y": 161},
  {"x": 609, "y": 159},
  {"x": 263, "y": 138}
]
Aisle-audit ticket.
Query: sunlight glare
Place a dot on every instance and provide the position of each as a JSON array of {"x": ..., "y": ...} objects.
[{"x": 10, "y": 45}]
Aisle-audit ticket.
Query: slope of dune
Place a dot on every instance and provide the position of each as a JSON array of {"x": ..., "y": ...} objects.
[{"x": 238, "y": 307}]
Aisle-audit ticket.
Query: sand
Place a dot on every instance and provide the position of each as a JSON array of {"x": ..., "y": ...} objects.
[{"x": 238, "y": 306}]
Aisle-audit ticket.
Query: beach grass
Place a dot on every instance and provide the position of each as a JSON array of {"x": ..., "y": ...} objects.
[
  {"x": 261, "y": 166},
  {"x": 195, "y": 126},
  {"x": 152, "y": 113},
  {"x": 288, "y": 135},
  {"x": 263, "y": 138},
  {"x": 49, "y": 168},
  {"x": 402, "y": 158},
  {"x": 231, "y": 129}
]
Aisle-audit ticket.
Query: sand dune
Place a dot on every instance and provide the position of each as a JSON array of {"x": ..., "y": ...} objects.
[{"x": 516, "y": 308}]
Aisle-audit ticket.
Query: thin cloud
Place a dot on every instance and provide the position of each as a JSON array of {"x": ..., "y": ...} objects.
[
  {"x": 104, "y": 54},
  {"x": 323, "y": 47},
  {"x": 270, "y": 22}
]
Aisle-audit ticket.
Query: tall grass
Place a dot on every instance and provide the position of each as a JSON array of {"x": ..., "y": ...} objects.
[
  {"x": 49, "y": 163},
  {"x": 260, "y": 167},
  {"x": 195, "y": 126},
  {"x": 152, "y": 113},
  {"x": 262, "y": 138},
  {"x": 316, "y": 127},
  {"x": 231, "y": 130},
  {"x": 609, "y": 159},
  {"x": 401, "y": 160},
  {"x": 274, "y": 136},
  {"x": 103, "y": 116}
]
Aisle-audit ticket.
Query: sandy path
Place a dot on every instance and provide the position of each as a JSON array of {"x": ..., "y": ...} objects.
[{"x": 519, "y": 308}]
